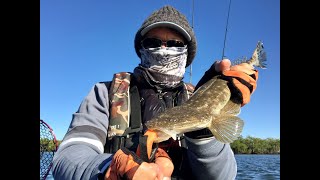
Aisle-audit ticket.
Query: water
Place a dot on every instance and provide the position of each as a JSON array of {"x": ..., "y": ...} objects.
[
  {"x": 253, "y": 167},
  {"x": 258, "y": 167}
]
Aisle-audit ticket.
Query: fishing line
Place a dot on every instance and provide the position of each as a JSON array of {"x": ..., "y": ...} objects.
[{"x": 225, "y": 34}]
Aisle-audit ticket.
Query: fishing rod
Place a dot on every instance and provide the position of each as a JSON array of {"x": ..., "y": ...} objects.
[
  {"x": 190, "y": 72},
  {"x": 225, "y": 34}
]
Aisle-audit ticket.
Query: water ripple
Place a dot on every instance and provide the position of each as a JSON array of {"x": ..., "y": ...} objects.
[{"x": 258, "y": 167}]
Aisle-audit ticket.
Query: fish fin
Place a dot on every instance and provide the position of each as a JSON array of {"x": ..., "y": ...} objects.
[
  {"x": 226, "y": 128},
  {"x": 163, "y": 136},
  {"x": 151, "y": 136},
  {"x": 231, "y": 108}
]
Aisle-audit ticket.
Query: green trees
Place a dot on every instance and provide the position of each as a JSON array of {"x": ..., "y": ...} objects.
[
  {"x": 252, "y": 145},
  {"x": 47, "y": 145}
]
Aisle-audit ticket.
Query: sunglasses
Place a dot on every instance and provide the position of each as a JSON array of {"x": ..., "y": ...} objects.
[{"x": 154, "y": 43}]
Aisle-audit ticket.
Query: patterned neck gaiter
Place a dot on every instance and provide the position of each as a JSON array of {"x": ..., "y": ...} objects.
[
  {"x": 167, "y": 65},
  {"x": 170, "y": 60}
]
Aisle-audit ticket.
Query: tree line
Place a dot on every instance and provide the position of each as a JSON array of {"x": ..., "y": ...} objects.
[
  {"x": 252, "y": 145},
  {"x": 248, "y": 145},
  {"x": 47, "y": 145}
]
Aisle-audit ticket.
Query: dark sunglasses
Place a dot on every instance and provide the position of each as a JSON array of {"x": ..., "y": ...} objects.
[{"x": 154, "y": 43}]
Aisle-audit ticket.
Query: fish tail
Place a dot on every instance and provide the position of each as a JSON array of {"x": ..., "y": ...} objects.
[
  {"x": 226, "y": 128},
  {"x": 259, "y": 56}
]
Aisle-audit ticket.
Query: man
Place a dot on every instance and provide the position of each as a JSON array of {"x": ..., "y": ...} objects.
[{"x": 166, "y": 45}]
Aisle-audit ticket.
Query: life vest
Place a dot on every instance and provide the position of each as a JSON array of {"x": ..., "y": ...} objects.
[
  {"x": 121, "y": 129},
  {"x": 125, "y": 121}
]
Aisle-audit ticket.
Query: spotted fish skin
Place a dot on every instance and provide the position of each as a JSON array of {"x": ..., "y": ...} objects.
[
  {"x": 209, "y": 107},
  {"x": 206, "y": 108}
]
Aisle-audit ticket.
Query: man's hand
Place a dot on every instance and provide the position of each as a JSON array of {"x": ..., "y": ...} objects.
[
  {"x": 243, "y": 78},
  {"x": 126, "y": 164},
  {"x": 164, "y": 162}
]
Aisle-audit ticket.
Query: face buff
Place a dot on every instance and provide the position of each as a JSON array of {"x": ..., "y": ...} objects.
[{"x": 165, "y": 62}]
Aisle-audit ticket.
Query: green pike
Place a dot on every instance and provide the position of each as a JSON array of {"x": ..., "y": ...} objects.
[{"x": 209, "y": 107}]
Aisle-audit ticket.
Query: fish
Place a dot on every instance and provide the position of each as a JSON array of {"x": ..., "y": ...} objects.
[{"x": 209, "y": 107}]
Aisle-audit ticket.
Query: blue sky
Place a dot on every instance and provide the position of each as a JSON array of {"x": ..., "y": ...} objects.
[{"x": 84, "y": 42}]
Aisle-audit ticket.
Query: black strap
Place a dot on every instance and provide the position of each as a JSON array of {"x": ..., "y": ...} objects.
[
  {"x": 143, "y": 148},
  {"x": 135, "y": 115},
  {"x": 136, "y": 158}
]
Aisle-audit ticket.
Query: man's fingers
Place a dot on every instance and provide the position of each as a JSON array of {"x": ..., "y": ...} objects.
[
  {"x": 148, "y": 171},
  {"x": 165, "y": 165},
  {"x": 157, "y": 169},
  {"x": 223, "y": 65}
]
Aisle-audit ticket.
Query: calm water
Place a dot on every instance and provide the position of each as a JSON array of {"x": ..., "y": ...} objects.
[{"x": 257, "y": 167}]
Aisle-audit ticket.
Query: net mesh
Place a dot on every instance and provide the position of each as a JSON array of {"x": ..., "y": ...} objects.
[{"x": 48, "y": 146}]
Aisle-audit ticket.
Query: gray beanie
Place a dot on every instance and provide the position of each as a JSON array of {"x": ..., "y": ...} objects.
[{"x": 168, "y": 16}]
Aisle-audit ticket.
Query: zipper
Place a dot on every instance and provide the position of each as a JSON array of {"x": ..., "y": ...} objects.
[
  {"x": 160, "y": 94},
  {"x": 160, "y": 97}
]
